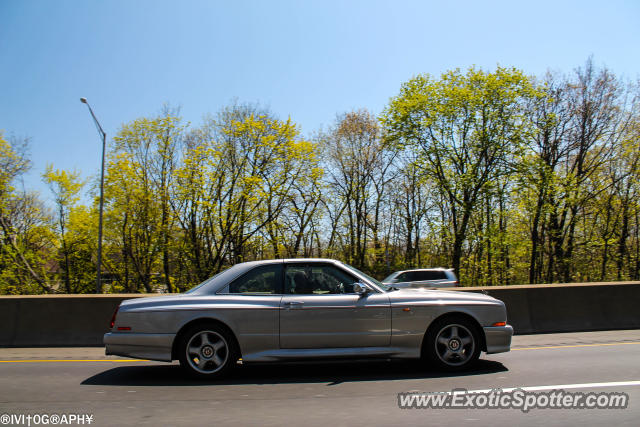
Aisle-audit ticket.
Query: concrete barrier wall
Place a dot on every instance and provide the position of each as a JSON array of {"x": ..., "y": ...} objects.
[
  {"x": 81, "y": 320},
  {"x": 56, "y": 320},
  {"x": 572, "y": 307}
]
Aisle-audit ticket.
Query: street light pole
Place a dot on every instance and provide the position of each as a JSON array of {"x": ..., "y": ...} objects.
[{"x": 104, "y": 143}]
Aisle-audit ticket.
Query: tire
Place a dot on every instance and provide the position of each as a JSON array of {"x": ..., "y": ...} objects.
[
  {"x": 207, "y": 351},
  {"x": 452, "y": 344}
]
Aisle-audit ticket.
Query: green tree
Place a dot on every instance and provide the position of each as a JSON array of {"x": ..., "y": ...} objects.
[
  {"x": 242, "y": 171},
  {"x": 25, "y": 232},
  {"x": 66, "y": 187},
  {"x": 359, "y": 168},
  {"x": 467, "y": 127},
  {"x": 138, "y": 187}
]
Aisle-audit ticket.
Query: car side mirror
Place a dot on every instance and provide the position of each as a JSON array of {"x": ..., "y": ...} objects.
[{"x": 360, "y": 289}]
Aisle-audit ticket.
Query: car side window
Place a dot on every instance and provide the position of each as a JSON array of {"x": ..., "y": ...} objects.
[
  {"x": 317, "y": 279},
  {"x": 402, "y": 277},
  {"x": 260, "y": 280},
  {"x": 410, "y": 276},
  {"x": 431, "y": 275}
]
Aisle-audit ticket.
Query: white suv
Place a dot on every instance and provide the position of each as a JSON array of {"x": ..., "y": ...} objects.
[{"x": 423, "y": 278}]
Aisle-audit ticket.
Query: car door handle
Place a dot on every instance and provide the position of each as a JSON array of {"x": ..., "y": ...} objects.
[{"x": 293, "y": 304}]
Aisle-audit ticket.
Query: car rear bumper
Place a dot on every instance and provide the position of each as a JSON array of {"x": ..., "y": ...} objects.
[
  {"x": 141, "y": 346},
  {"x": 498, "y": 338}
]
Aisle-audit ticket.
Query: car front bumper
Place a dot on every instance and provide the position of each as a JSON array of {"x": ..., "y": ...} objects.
[
  {"x": 498, "y": 338},
  {"x": 140, "y": 346}
]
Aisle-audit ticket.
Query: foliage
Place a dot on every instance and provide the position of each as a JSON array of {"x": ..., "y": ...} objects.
[
  {"x": 468, "y": 128},
  {"x": 506, "y": 178}
]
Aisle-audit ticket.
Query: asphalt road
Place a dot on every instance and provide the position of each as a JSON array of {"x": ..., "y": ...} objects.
[{"x": 117, "y": 391}]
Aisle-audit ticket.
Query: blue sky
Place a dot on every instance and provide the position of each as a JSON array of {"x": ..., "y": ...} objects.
[{"x": 305, "y": 59}]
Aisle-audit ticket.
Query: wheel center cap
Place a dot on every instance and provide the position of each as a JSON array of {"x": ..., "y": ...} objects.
[
  {"x": 454, "y": 345},
  {"x": 207, "y": 351}
]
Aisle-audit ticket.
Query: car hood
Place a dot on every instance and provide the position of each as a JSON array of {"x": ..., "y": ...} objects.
[{"x": 406, "y": 295}]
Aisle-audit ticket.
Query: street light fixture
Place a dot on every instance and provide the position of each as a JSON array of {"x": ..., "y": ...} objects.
[{"x": 104, "y": 143}]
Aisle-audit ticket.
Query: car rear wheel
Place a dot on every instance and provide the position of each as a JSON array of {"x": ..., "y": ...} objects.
[
  {"x": 452, "y": 344},
  {"x": 207, "y": 351}
]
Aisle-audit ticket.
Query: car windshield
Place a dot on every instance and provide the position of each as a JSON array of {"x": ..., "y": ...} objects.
[{"x": 382, "y": 286}]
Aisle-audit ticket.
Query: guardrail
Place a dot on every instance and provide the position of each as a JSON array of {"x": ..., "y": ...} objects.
[{"x": 81, "y": 320}]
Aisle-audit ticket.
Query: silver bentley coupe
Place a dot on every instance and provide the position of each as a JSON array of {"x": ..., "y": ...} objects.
[{"x": 292, "y": 309}]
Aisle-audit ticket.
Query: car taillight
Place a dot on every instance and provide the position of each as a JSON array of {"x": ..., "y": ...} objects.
[
  {"x": 113, "y": 318},
  {"x": 500, "y": 324}
]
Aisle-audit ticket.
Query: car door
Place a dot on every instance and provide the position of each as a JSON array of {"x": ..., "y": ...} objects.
[
  {"x": 320, "y": 310},
  {"x": 251, "y": 305}
]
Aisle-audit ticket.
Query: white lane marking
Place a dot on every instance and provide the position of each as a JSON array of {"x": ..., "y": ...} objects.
[
  {"x": 575, "y": 345},
  {"x": 555, "y": 387}
]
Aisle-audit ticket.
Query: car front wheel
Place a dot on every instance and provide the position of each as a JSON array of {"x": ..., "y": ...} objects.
[
  {"x": 452, "y": 344},
  {"x": 207, "y": 351}
]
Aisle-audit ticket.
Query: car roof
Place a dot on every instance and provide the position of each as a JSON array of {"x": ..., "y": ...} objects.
[
  {"x": 426, "y": 269},
  {"x": 289, "y": 260}
]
